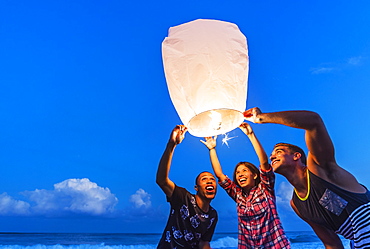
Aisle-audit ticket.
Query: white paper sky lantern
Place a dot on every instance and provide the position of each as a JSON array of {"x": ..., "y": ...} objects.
[{"x": 206, "y": 68}]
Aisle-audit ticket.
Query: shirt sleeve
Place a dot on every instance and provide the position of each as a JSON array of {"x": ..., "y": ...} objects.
[
  {"x": 231, "y": 188},
  {"x": 268, "y": 179},
  {"x": 178, "y": 194}
]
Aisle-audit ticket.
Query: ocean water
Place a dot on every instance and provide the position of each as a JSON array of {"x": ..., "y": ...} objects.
[{"x": 299, "y": 240}]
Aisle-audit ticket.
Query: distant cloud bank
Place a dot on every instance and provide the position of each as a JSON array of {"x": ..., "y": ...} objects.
[
  {"x": 72, "y": 196},
  {"x": 10, "y": 206},
  {"x": 83, "y": 197},
  {"x": 80, "y": 196},
  {"x": 75, "y": 197}
]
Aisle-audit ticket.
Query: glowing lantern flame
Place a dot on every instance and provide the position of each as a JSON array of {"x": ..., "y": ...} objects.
[
  {"x": 206, "y": 68},
  {"x": 226, "y": 139}
]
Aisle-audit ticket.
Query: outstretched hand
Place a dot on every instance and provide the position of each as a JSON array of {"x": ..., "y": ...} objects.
[
  {"x": 178, "y": 134},
  {"x": 252, "y": 115},
  {"x": 210, "y": 142},
  {"x": 246, "y": 128}
]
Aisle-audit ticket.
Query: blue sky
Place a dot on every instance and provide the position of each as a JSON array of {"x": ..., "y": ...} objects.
[{"x": 85, "y": 113}]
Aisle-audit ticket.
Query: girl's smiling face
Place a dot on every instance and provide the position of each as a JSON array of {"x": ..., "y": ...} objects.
[{"x": 245, "y": 177}]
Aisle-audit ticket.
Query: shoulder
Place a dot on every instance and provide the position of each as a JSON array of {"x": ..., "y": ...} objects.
[
  {"x": 269, "y": 172},
  {"x": 340, "y": 178},
  {"x": 179, "y": 193},
  {"x": 212, "y": 210},
  {"x": 212, "y": 214}
]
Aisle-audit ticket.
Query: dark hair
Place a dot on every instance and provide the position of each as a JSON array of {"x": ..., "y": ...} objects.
[
  {"x": 252, "y": 168},
  {"x": 292, "y": 149},
  {"x": 196, "y": 179}
]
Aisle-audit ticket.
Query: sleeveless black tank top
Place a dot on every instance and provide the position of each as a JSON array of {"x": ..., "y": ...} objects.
[{"x": 327, "y": 204}]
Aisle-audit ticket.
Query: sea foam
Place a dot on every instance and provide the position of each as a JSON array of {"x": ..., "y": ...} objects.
[
  {"x": 101, "y": 246},
  {"x": 225, "y": 242}
]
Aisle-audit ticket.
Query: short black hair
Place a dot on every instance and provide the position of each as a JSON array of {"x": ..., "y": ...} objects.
[
  {"x": 294, "y": 148},
  {"x": 196, "y": 179}
]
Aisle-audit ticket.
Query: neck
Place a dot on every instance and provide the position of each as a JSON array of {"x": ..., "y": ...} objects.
[
  {"x": 246, "y": 190},
  {"x": 203, "y": 203},
  {"x": 297, "y": 176}
]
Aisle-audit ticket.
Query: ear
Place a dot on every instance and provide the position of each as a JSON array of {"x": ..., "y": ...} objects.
[
  {"x": 255, "y": 176},
  {"x": 196, "y": 187},
  {"x": 297, "y": 156}
]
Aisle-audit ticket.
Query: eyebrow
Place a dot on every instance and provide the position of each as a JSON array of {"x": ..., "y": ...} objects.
[{"x": 278, "y": 149}]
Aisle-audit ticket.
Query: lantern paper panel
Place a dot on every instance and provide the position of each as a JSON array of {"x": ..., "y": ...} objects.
[{"x": 206, "y": 68}]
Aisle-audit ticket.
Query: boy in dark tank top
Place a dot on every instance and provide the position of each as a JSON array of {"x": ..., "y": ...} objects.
[{"x": 326, "y": 196}]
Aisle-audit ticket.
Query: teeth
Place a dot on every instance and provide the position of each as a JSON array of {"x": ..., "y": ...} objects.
[{"x": 209, "y": 188}]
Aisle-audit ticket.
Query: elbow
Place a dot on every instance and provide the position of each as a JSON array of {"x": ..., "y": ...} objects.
[
  {"x": 316, "y": 117},
  {"x": 313, "y": 120},
  {"x": 317, "y": 120},
  {"x": 161, "y": 181},
  {"x": 161, "y": 184}
]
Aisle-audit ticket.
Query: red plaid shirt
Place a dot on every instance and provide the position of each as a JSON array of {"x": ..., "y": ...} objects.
[{"x": 258, "y": 222}]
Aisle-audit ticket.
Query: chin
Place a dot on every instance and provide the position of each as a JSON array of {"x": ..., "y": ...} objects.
[
  {"x": 275, "y": 167},
  {"x": 242, "y": 185}
]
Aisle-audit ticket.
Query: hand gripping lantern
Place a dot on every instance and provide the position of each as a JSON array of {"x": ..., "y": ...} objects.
[{"x": 206, "y": 68}]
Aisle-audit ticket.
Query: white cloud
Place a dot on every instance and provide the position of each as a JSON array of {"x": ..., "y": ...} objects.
[
  {"x": 289, "y": 218},
  {"x": 338, "y": 66},
  {"x": 283, "y": 195},
  {"x": 10, "y": 206},
  {"x": 355, "y": 60},
  {"x": 75, "y": 196},
  {"x": 141, "y": 199},
  {"x": 320, "y": 70}
]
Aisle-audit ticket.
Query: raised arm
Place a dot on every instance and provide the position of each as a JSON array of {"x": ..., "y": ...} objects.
[
  {"x": 261, "y": 154},
  {"x": 319, "y": 144},
  {"x": 210, "y": 143},
  {"x": 204, "y": 245},
  {"x": 162, "y": 179}
]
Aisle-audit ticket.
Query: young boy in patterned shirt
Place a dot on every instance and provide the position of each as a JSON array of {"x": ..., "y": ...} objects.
[{"x": 192, "y": 219}]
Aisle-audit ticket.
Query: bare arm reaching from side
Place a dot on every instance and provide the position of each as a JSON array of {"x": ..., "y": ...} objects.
[
  {"x": 320, "y": 159},
  {"x": 162, "y": 179},
  {"x": 210, "y": 143},
  {"x": 317, "y": 138},
  {"x": 261, "y": 154}
]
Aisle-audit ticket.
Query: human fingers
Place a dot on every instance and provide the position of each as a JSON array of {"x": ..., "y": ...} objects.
[{"x": 252, "y": 114}]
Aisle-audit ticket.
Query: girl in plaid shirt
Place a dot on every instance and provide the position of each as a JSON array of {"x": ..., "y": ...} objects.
[{"x": 253, "y": 191}]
